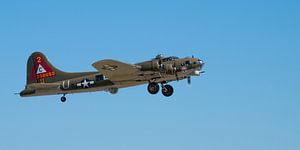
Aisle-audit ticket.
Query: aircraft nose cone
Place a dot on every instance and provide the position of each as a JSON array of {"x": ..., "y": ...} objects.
[{"x": 201, "y": 62}]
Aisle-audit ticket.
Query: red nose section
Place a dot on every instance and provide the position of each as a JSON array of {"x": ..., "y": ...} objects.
[{"x": 41, "y": 69}]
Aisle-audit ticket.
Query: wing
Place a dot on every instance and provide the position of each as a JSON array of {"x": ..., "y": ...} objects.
[{"x": 116, "y": 70}]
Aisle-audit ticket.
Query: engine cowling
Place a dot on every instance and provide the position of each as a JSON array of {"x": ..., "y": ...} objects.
[
  {"x": 155, "y": 65},
  {"x": 169, "y": 69},
  {"x": 151, "y": 66}
]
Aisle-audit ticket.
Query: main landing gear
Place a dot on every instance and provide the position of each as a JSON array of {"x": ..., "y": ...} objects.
[
  {"x": 167, "y": 90},
  {"x": 153, "y": 88},
  {"x": 63, "y": 98}
]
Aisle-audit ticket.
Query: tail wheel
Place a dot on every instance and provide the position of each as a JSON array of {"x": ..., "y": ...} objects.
[
  {"x": 167, "y": 90},
  {"x": 63, "y": 99},
  {"x": 153, "y": 88}
]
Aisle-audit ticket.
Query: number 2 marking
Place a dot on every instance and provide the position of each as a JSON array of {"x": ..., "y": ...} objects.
[{"x": 39, "y": 59}]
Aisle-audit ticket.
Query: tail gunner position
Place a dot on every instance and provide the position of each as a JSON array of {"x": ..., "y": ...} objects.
[{"x": 45, "y": 79}]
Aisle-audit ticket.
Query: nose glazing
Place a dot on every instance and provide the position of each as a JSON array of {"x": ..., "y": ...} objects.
[{"x": 201, "y": 62}]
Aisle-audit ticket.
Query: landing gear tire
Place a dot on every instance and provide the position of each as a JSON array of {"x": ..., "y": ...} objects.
[
  {"x": 167, "y": 90},
  {"x": 63, "y": 99},
  {"x": 153, "y": 88}
]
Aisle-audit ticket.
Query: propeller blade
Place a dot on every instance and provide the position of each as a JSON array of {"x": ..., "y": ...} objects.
[{"x": 189, "y": 80}]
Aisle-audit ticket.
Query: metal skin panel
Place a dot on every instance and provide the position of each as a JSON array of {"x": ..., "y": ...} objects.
[{"x": 45, "y": 79}]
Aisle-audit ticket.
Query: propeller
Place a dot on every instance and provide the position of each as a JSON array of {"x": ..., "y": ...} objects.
[
  {"x": 189, "y": 79},
  {"x": 17, "y": 93},
  {"x": 176, "y": 71}
]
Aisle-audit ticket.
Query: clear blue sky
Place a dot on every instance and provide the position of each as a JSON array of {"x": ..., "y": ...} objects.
[{"x": 247, "y": 100}]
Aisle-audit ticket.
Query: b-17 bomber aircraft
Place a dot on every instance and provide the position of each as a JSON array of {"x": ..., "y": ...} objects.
[{"x": 45, "y": 79}]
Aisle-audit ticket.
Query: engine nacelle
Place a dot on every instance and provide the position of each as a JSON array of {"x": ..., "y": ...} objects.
[
  {"x": 155, "y": 65},
  {"x": 169, "y": 68},
  {"x": 151, "y": 66}
]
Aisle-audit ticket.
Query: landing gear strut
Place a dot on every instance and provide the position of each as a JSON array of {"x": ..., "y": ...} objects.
[
  {"x": 167, "y": 90},
  {"x": 153, "y": 88},
  {"x": 63, "y": 98}
]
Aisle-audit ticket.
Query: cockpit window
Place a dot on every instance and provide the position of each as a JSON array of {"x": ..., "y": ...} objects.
[{"x": 170, "y": 58}]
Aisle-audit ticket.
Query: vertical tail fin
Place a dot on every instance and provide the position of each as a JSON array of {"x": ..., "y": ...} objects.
[{"x": 40, "y": 70}]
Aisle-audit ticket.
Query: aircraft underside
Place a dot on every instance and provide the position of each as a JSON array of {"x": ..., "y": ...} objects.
[
  {"x": 154, "y": 86},
  {"x": 111, "y": 75}
]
